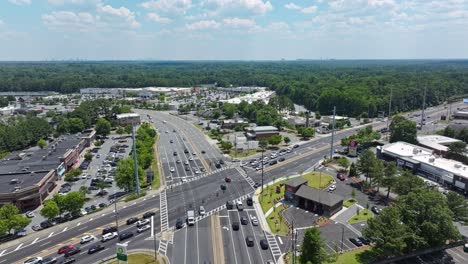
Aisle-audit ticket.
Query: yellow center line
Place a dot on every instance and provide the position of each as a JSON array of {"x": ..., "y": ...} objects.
[{"x": 207, "y": 168}]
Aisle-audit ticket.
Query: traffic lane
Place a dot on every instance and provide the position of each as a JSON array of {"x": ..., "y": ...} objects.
[
  {"x": 76, "y": 228},
  {"x": 192, "y": 244},
  {"x": 258, "y": 234},
  {"x": 238, "y": 186},
  {"x": 231, "y": 249},
  {"x": 178, "y": 252},
  {"x": 204, "y": 241},
  {"x": 243, "y": 253}
]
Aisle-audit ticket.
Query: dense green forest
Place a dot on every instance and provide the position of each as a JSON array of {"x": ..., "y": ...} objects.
[{"x": 353, "y": 86}]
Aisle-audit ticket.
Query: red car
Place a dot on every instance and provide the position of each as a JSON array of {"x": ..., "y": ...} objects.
[
  {"x": 65, "y": 248},
  {"x": 227, "y": 179},
  {"x": 340, "y": 176}
]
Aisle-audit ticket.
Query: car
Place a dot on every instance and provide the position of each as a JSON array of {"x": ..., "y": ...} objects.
[
  {"x": 465, "y": 247},
  {"x": 102, "y": 205},
  {"x": 221, "y": 161},
  {"x": 223, "y": 187},
  {"x": 218, "y": 166},
  {"x": 95, "y": 248},
  {"x": 235, "y": 226},
  {"x": 148, "y": 214},
  {"x": 143, "y": 222},
  {"x": 93, "y": 188},
  {"x": 36, "y": 227},
  {"x": 174, "y": 153},
  {"x": 356, "y": 241},
  {"x": 269, "y": 262},
  {"x": 254, "y": 221},
  {"x": 171, "y": 141},
  {"x": 249, "y": 201},
  {"x": 132, "y": 220},
  {"x": 64, "y": 249},
  {"x": 35, "y": 260},
  {"x": 197, "y": 171},
  {"x": 98, "y": 156},
  {"x": 264, "y": 244},
  {"x": 273, "y": 162},
  {"x": 172, "y": 169},
  {"x": 201, "y": 211},
  {"x": 340, "y": 176},
  {"x": 240, "y": 207},
  {"x": 281, "y": 159},
  {"x": 332, "y": 188},
  {"x": 30, "y": 214},
  {"x": 84, "y": 176},
  {"x": 109, "y": 236},
  {"x": 203, "y": 152},
  {"x": 86, "y": 239},
  {"x": 363, "y": 240},
  {"x": 143, "y": 228},
  {"x": 125, "y": 235},
  {"x": 186, "y": 151},
  {"x": 173, "y": 130},
  {"x": 244, "y": 220},
  {"x": 249, "y": 241},
  {"x": 177, "y": 161},
  {"x": 166, "y": 132},
  {"x": 72, "y": 252},
  {"x": 179, "y": 223},
  {"x": 93, "y": 207},
  {"x": 49, "y": 260},
  {"x": 256, "y": 185},
  {"x": 229, "y": 205},
  {"x": 190, "y": 159},
  {"x": 227, "y": 179},
  {"x": 109, "y": 229},
  {"x": 68, "y": 261},
  {"x": 296, "y": 146},
  {"x": 375, "y": 210}
]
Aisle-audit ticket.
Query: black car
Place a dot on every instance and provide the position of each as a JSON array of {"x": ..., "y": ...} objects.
[
  {"x": 264, "y": 244},
  {"x": 363, "y": 240},
  {"x": 249, "y": 241},
  {"x": 356, "y": 241},
  {"x": 175, "y": 153},
  {"x": 148, "y": 214},
  {"x": 281, "y": 159},
  {"x": 46, "y": 224},
  {"x": 179, "y": 223},
  {"x": 221, "y": 161},
  {"x": 249, "y": 201},
  {"x": 273, "y": 162},
  {"x": 256, "y": 185},
  {"x": 125, "y": 235},
  {"x": 235, "y": 226},
  {"x": 109, "y": 229},
  {"x": 203, "y": 152},
  {"x": 93, "y": 207},
  {"x": 132, "y": 220},
  {"x": 68, "y": 260},
  {"x": 240, "y": 207},
  {"x": 296, "y": 146},
  {"x": 223, "y": 187},
  {"x": 102, "y": 205},
  {"x": 186, "y": 151},
  {"x": 244, "y": 220},
  {"x": 375, "y": 210},
  {"x": 229, "y": 205},
  {"x": 49, "y": 260},
  {"x": 218, "y": 166},
  {"x": 72, "y": 252},
  {"x": 95, "y": 248}
]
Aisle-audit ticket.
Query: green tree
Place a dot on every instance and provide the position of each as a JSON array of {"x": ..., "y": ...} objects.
[
  {"x": 365, "y": 163},
  {"x": 458, "y": 206},
  {"x": 313, "y": 247},
  {"x": 275, "y": 140},
  {"x": 377, "y": 173},
  {"x": 456, "y": 148},
  {"x": 263, "y": 144},
  {"x": 407, "y": 183},
  {"x": 73, "y": 201},
  {"x": 307, "y": 132},
  {"x": 352, "y": 170},
  {"x": 402, "y": 129},
  {"x": 343, "y": 162},
  {"x": 125, "y": 176},
  {"x": 84, "y": 190},
  {"x": 103, "y": 127},
  {"x": 286, "y": 140},
  {"x": 229, "y": 110},
  {"x": 120, "y": 130},
  {"x": 390, "y": 177},
  {"x": 449, "y": 132},
  {"x": 226, "y": 145},
  {"x": 128, "y": 129},
  {"x": 101, "y": 185},
  {"x": 72, "y": 174},
  {"x": 50, "y": 209},
  {"x": 42, "y": 143},
  {"x": 75, "y": 125},
  {"x": 88, "y": 156},
  {"x": 11, "y": 218}
]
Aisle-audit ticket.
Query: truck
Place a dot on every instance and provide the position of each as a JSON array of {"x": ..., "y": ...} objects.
[{"x": 190, "y": 217}]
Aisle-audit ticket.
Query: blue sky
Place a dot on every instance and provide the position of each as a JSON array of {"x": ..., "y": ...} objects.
[{"x": 232, "y": 29}]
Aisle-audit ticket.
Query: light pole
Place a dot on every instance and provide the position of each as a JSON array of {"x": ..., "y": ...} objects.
[
  {"x": 262, "y": 168},
  {"x": 135, "y": 162}
]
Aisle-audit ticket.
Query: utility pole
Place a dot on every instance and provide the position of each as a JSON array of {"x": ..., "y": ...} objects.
[
  {"x": 333, "y": 133},
  {"x": 262, "y": 169},
  {"x": 424, "y": 106},
  {"x": 135, "y": 164},
  {"x": 389, "y": 112},
  {"x": 293, "y": 242},
  {"x": 154, "y": 237}
]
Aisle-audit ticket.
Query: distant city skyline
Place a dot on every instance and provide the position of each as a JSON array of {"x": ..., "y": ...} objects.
[{"x": 232, "y": 29}]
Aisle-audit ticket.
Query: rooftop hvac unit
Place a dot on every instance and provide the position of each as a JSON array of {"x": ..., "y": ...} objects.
[
  {"x": 415, "y": 151},
  {"x": 457, "y": 166},
  {"x": 431, "y": 160}
]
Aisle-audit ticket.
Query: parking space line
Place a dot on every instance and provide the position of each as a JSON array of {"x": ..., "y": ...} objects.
[
  {"x": 51, "y": 234},
  {"x": 3, "y": 252},
  {"x": 19, "y": 246},
  {"x": 65, "y": 229}
]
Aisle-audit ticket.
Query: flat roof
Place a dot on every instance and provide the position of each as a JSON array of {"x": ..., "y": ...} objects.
[
  {"x": 294, "y": 182},
  {"x": 419, "y": 154},
  {"x": 319, "y": 196},
  {"x": 127, "y": 115},
  {"x": 436, "y": 142},
  {"x": 264, "y": 129}
]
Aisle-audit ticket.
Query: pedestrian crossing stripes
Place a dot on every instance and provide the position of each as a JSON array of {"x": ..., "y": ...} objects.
[
  {"x": 246, "y": 177},
  {"x": 275, "y": 249},
  {"x": 163, "y": 211},
  {"x": 190, "y": 179},
  {"x": 162, "y": 247}
]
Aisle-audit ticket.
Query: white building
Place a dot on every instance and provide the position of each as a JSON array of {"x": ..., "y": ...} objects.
[
  {"x": 436, "y": 142},
  {"x": 423, "y": 161},
  {"x": 250, "y": 98}
]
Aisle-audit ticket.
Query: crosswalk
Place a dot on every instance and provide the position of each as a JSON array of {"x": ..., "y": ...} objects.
[
  {"x": 246, "y": 177},
  {"x": 274, "y": 247},
  {"x": 162, "y": 247},
  {"x": 190, "y": 179},
  {"x": 163, "y": 211}
]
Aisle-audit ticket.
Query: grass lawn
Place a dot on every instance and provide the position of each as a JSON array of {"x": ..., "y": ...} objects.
[
  {"x": 317, "y": 179},
  {"x": 157, "y": 180},
  {"x": 281, "y": 228},
  {"x": 242, "y": 154},
  {"x": 363, "y": 215},
  {"x": 349, "y": 202},
  {"x": 348, "y": 257},
  {"x": 140, "y": 259}
]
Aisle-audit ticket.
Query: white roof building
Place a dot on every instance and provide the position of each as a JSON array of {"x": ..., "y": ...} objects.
[
  {"x": 436, "y": 142},
  {"x": 250, "y": 98}
]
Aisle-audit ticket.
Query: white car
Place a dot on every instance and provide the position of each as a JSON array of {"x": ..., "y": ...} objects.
[
  {"x": 143, "y": 228},
  {"x": 332, "y": 188},
  {"x": 30, "y": 214},
  {"x": 86, "y": 239},
  {"x": 109, "y": 236},
  {"x": 191, "y": 159},
  {"x": 254, "y": 221},
  {"x": 35, "y": 260},
  {"x": 84, "y": 176},
  {"x": 142, "y": 222},
  {"x": 98, "y": 156},
  {"x": 197, "y": 172},
  {"x": 186, "y": 162},
  {"x": 201, "y": 211},
  {"x": 172, "y": 169},
  {"x": 83, "y": 212}
]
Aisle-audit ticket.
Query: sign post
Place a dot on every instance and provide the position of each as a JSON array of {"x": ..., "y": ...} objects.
[{"x": 122, "y": 252}]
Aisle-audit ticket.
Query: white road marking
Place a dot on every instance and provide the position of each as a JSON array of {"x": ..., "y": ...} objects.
[
  {"x": 78, "y": 224},
  {"x": 51, "y": 234},
  {"x": 19, "y": 246},
  {"x": 3, "y": 252},
  {"x": 103, "y": 214},
  {"x": 280, "y": 240},
  {"x": 91, "y": 219},
  {"x": 65, "y": 229},
  {"x": 35, "y": 240},
  {"x": 44, "y": 244},
  {"x": 3, "y": 261}
]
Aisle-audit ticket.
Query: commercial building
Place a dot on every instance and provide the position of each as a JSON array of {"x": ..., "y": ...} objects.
[
  {"x": 329, "y": 119},
  {"x": 460, "y": 115},
  {"x": 28, "y": 177},
  {"x": 250, "y": 98},
  {"x": 128, "y": 119},
  {"x": 312, "y": 199},
  {"x": 439, "y": 144},
  {"x": 146, "y": 92},
  {"x": 232, "y": 123},
  {"x": 425, "y": 162},
  {"x": 260, "y": 132}
]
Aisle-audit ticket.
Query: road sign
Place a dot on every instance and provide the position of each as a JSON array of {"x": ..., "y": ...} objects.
[{"x": 122, "y": 252}]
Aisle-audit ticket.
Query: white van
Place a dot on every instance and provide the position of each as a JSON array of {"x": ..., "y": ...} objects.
[{"x": 190, "y": 218}]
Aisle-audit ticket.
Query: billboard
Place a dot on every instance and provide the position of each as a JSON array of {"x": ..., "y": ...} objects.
[
  {"x": 61, "y": 169},
  {"x": 352, "y": 148},
  {"x": 465, "y": 100}
]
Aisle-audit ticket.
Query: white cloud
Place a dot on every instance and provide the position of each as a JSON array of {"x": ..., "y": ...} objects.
[
  {"x": 20, "y": 2},
  {"x": 292, "y": 6},
  {"x": 175, "y": 6},
  {"x": 157, "y": 18},
  {"x": 381, "y": 2},
  {"x": 203, "y": 24},
  {"x": 116, "y": 15},
  {"x": 256, "y": 6},
  {"x": 82, "y": 21},
  {"x": 239, "y": 22},
  {"x": 74, "y": 2},
  {"x": 309, "y": 10},
  {"x": 458, "y": 14}
]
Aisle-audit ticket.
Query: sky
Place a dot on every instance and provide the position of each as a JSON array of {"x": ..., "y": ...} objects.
[{"x": 232, "y": 29}]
